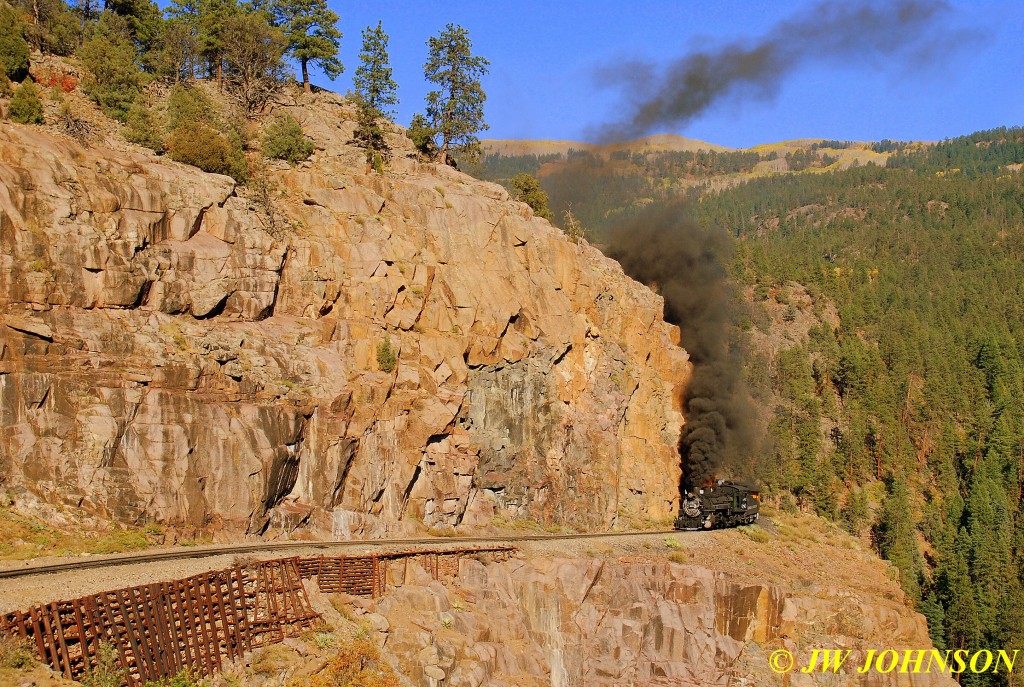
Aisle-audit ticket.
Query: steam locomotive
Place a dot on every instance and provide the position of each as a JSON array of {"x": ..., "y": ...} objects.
[{"x": 724, "y": 504}]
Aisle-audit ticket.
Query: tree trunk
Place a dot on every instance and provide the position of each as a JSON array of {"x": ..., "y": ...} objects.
[
  {"x": 85, "y": 13},
  {"x": 220, "y": 76},
  {"x": 305, "y": 76}
]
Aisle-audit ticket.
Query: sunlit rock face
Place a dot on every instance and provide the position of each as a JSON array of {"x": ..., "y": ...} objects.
[
  {"x": 584, "y": 621},
  {"x": 168, "y": 354}
]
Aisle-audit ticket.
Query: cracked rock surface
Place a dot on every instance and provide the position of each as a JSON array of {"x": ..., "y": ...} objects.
[{"x": 166, "y": 355}]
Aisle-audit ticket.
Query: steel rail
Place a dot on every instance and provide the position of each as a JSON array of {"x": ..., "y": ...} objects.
[{"x": 207, "y": 552}]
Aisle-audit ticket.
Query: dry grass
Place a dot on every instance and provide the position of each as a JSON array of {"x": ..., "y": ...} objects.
[
  {"x": 342, "y": 608},
  {"x": 17, "y": 653},
  {"x": 357, "y": 663},
  {"x": 755, "y": 534},
  {"x": 272, "y": 659},
  {"x": 678, "y": 557},
  {"x": 27, "y": 537}
]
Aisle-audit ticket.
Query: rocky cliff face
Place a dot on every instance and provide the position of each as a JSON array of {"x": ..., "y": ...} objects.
[
  {"x": 566, "y": 622},
  {"x": 624, "y": 613},
  {"x": 168, "y": 355}
]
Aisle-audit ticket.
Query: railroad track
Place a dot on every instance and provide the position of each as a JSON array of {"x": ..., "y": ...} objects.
[{"x": 228, "y": 549}]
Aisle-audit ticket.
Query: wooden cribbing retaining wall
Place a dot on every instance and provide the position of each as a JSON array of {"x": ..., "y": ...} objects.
[{"x": 194, "y": 624}]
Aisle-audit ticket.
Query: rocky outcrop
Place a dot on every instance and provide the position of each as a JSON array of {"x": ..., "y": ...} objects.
[
  {"x": 166, "y": 354},
  {"x": 580, "y": 621}
]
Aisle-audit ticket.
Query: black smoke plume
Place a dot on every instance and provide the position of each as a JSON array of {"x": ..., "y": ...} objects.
[
  {"x": 683, "y": 261},
  {"x": 865, "y": 34}
]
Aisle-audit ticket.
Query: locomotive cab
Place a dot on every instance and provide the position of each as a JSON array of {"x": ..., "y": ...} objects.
[{"x": 726, "y": 503}]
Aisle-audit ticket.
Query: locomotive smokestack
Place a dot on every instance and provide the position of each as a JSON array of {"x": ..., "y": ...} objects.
[{"x": 662, "y": 247}]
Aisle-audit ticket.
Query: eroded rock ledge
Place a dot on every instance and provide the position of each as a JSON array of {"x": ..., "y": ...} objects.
[
  {"x": 565, "y": 621},
  {"x": 164, "y": 357}
]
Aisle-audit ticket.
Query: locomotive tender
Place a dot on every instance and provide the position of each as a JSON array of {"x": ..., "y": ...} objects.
[{"x": 726, "y": 503}]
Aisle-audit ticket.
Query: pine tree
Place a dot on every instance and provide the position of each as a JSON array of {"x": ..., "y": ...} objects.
[
  {"x": 456, "y": 110},
  {"x": 213, "y": 20},
  {"x": 180, "y": 39},
  {"x": 112, "y": 59},
  {"x": 896, "y": 540},
  {"x": 375, "y": 89},
  {"x": 52, "y": 27},
  {"x": 253, "y": 49},
  {"x": 144, "y": 21},
  {"x": 13, "y": 46},
  {"x": 311, "y": 30},
  {"x": 962, "y": 628},
  {"x": 174, "y": 56}
]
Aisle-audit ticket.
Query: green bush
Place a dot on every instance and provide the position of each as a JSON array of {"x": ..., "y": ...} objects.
[
  {"x": 526, "y": 188},
  {"x": 386, "y": 357},
  {"x": 26, "y": 108},
  {"x": 422, "y": 136},
  {"x": 106, "y": 672},
  {"x": 13, "y": 46},
  {"x": 17, "y": 653},
  {"x": 189, "y": 106},
  {"x": 200, "y": 145},
  {"x": 141, "y": 127},
  {"x": 185, "y": 678},
  {"x": 284, "y": 140}
]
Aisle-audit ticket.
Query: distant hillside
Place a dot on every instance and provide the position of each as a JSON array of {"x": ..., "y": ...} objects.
[
  {"x": 654, "y": 143},
  {"x": 601, "y": 182}
]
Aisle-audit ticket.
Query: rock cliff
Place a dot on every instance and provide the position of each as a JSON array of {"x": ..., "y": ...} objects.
[
  {"x": 168, "y": 354},
  {"x": 625, "y": 613},
  {"x": 565, "y": 622}
]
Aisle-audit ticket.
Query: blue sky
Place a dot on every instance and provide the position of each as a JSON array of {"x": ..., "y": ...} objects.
[{"x": 544, "y": 55}]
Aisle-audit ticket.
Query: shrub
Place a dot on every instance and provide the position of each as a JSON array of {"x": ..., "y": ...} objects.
[
  {"x": 184, "y": 678},
  {"x": 526, "y": 188},
  {"x": 13, "y": 46},
  {"x": 572, "y": 227},
  {"x": 386, "y": 358},
  {"x": 141, "y": 127},
  {"x": 263, "y": 192},
  {"x": 271, "y": 659},
  {"x": 422, "y": 136},
  {"x": 189, "y": 106},
  {"x": 284, "y": 140},
  {"x": 357, "y": 664},
  {"x": 26, "y": 108},
  {"x": 57, "y": 79},
  {"x": 200, "y": 145},
  {"x": 106, "y": 672},
  {"x": 755, "y": 534},
  {"x": 17, "y": 653},
  {"x": 72, "y": 124}
]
